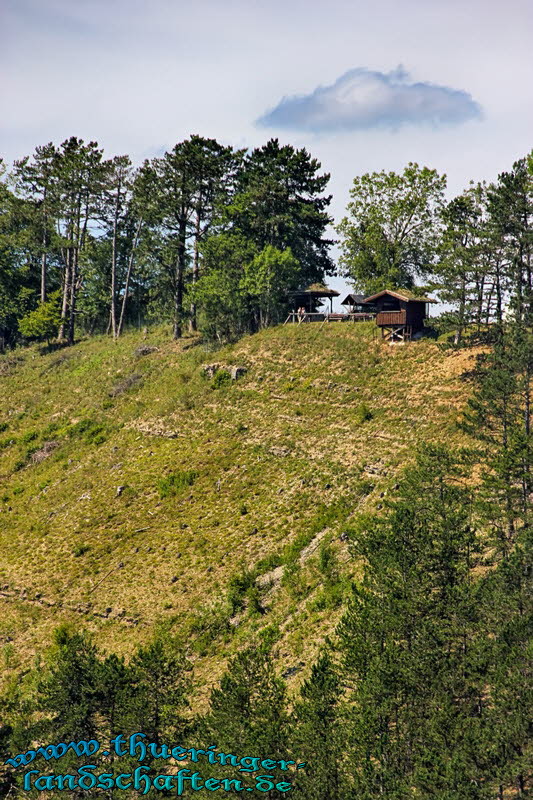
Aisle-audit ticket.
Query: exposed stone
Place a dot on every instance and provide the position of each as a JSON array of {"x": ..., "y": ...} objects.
[
  {"x": 280, "y": 451},
  {"x": 145, "y": 350},
  {"x": 211, "y": 369},
  {"x": 46, "y": 450},
  {"x": 237, "y": 372},
  {"x": 234, "y": 371}
]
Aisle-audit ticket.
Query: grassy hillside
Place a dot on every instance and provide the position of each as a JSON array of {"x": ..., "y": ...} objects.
[{"x": 139, "y": 494}]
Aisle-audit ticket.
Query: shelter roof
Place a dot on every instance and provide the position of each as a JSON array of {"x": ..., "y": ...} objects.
[
  {"x": 353, "y": 299},
  {"x": 402, "y": 294},
  {"x": 315, "y": 290}
]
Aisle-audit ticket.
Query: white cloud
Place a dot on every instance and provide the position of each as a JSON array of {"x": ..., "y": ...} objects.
[{"x": 362, "y": 99}]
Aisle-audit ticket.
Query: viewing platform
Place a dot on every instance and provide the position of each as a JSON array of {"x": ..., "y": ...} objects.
[{"x": 319, "y": 316}]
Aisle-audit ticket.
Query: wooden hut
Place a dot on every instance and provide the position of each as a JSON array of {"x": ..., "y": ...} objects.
[
  {"x": 310, "y": 299},
  {"x": 358, "y": 307},
  {"x": 401, "y": 312},
  {"x": 357, "y": 304}
]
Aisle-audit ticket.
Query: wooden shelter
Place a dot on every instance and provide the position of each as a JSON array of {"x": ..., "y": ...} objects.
[
  {"x": 310, "y": 299},
  {"x": 357, "y": 304},
  {"x": 400, "y": 312}
]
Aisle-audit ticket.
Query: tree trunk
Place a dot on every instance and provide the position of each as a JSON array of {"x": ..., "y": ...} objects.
[
  {"x": 43, "y": 255},
  {"x": 462, "y": 305},
  {"x": 180, "y": 271},
  {"x": 66, "y": 292},
  {"x": 114, "y": 264},
  {"x": 73, "y": 296},
  {"x": 195, "y": 270},
  {"x": 128, "y": 276}
]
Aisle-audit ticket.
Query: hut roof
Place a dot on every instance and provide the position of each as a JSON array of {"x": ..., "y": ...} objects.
[
  {"x": 402, "y": 294},
  {"x": 353, "y": 299},
  {"x": 315, "y": 290}
]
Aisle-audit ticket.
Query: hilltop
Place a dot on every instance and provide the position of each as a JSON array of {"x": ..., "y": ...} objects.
[{"x": 141, "y": 494}]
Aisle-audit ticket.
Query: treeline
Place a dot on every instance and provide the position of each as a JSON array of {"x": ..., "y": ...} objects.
[
  {"x": 204, "y": 235},
  {"x": 213, "y": 238},
  {"x": 474, "y": 251},
  {"x": 424, "y": 690}
]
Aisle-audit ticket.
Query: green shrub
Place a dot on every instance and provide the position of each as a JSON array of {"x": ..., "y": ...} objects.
[
  {"x": 238, "y": 588},
  {"x": 363, "y": 414},
  {"x": 222, "y": 378},
  {"x": 327, "y": 564},
  {"x": 209, "y": 624},
  {"x": 44, "y": 321},
  {"x": 174, "y": 483},
  {"x": 268, "y": 563},
  {"x": 253, "y": 597},
  {"x": 52, "y": 427},
  {"x": 30, "y": 436},
  {"x": 89, "y": 431},
  {"x": 80, "y": 550},
  {"x": 292, "y": 579}
]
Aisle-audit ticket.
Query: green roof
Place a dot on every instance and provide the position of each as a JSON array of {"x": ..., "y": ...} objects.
[
  {"x": 403, "y": 294},
  {"x": 317, "y": 289}
]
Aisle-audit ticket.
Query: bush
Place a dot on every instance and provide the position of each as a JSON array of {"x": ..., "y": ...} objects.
[
  {"x": 239, "y": 586},
  {"x": 90, "y": 431},
  {"x": 44, "y": 321},
  {"x": 363, "y": 414},
  {"x": 208, "y": 625},
  {"x": 80, "y": 550},
  {"x": 174, "y": 483},
  {"x": 268, "y": 563},
  {"x": 327, "y": 564},
  {"x": 292, "y": 579},
  {"x": 222, "y": 378},
  {"x": 30, "y": 436}
]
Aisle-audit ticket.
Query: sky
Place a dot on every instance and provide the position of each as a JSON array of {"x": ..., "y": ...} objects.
[{"x": 363, "y": 86}]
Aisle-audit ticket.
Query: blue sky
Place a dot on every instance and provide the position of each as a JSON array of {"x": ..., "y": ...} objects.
[{"x": 363, "y": 85}]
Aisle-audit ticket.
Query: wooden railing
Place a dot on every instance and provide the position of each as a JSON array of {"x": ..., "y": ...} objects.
[
  {"x": 385, "y": 318},
  {"x": 327, "y": 317}
]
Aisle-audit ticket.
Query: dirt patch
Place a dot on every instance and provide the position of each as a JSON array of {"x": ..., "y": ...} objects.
[{"x": 125, "y": 385}]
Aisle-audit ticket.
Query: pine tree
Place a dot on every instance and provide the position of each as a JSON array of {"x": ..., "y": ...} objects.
[
  {"x": 317, "y": 734},
  {"x": 69, "y": 690},
  {"x": 279, "y": 201},
  {"x": 158, "y": 687},
  {"x": 403, "y": 643},
  {"x": 247, "y": 711}
]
